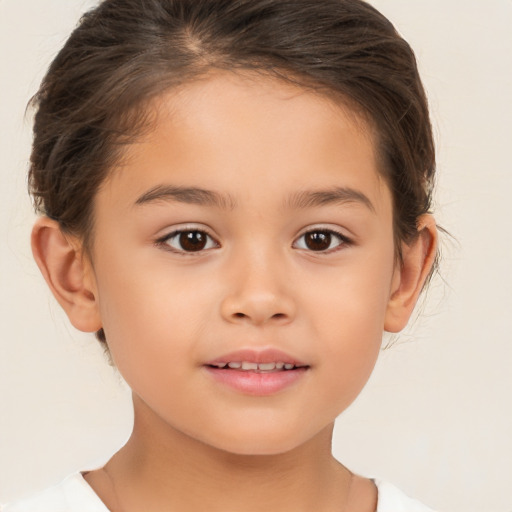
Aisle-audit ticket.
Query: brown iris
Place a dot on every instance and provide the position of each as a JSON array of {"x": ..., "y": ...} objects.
[
  {"x": 193, "y": 240},
  {"x": 318, "y": 240}
]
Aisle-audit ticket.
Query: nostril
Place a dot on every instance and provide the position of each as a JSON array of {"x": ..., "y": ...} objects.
[{"x": 276, "y": 316}]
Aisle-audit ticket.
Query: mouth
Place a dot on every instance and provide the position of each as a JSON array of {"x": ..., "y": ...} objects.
[
  {"x": 262, "y": 373},
  {"x": 249, "y": 366}
]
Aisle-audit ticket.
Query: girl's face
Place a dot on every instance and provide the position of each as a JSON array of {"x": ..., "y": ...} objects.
[{"x": 249, "y": 226}]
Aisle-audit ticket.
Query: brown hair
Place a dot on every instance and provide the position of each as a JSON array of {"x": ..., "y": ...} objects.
[{"x": 125, "y": 52}]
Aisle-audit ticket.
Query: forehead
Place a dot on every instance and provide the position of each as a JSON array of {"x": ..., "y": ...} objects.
[{"x": 239, "y": 132}]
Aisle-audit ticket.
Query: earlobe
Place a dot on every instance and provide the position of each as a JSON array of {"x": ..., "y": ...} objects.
[
  {"x": 67, "y": 272},
  {"x": 409, "y": 279}
]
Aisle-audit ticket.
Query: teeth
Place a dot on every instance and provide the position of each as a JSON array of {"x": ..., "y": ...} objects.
[
  {"x": 267, "y": 366},
  {"x": 264, "y": 367},
  {"x": 249, "y": 366}
]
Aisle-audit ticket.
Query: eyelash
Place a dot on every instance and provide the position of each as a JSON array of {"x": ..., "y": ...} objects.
[
  {"x": 165, "y": 241},
  {"x": 342, "y": 240},
  {"x": 176, "y": 235}
]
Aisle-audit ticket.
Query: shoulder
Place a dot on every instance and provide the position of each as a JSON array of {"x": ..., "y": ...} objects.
[
  {"x": 392, "y": 499},
  {"x": 73, "y": 494}
]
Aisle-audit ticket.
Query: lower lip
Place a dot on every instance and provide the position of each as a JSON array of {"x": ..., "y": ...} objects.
[{"x": 257, "y": 383}]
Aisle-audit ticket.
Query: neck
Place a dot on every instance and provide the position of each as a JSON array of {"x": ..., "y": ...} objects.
[{"x": 161, "y": 468}]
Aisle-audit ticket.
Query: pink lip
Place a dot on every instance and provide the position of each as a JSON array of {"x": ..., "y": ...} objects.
[
  {"x": 255, "y": 356},
  {"x": 256, "y": 383}
]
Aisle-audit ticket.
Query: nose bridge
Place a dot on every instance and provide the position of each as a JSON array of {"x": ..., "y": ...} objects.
[{"x": 258, "y": 290}]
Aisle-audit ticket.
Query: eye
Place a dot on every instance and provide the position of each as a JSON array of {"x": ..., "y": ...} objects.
[
  {"x": 189, "y": 240},
  {"x": 321, "y": 240}
]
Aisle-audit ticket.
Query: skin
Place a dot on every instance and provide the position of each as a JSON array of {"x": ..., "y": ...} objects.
[{"x": 258, "y": 144}]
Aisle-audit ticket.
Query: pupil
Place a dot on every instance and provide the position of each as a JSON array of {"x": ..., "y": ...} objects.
[
  {"x": 192, "y": 240},
  {"x": 318, "y": 241}
]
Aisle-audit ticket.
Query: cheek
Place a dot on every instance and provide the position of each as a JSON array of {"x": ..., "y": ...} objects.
[
  {"x": 151, "y": 340},
  {"x": 351, "y": 346},
  {"x": 349, "y": 313},
  {"x": 352, "y": 299},
  {"x": 153, "y": 315}
]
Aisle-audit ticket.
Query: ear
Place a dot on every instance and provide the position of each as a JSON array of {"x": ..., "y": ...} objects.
[
  {"x": 410, "y": 276},
  {"x": 68, "y": 273}
]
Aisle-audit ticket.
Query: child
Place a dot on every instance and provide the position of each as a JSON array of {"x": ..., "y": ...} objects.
[{"x": 235, "y": 197}]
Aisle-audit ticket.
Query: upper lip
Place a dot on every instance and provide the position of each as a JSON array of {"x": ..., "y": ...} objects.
[{"x": 257, "y": 356}]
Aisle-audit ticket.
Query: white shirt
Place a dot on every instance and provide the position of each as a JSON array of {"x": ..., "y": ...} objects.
[{"x": 74, "y": 494}]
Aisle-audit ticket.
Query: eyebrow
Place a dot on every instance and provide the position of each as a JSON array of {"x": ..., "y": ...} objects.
[
  {"x": 340, "y": 195},
  {"x": 190, "y": 195},
  {"x": 299, "y": 200}
]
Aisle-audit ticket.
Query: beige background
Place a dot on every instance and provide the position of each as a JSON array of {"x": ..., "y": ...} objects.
[{"x": 436, "y": 417}]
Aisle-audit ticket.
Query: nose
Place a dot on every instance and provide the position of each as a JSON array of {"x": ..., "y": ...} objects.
[{"x": 258, "y": 293}]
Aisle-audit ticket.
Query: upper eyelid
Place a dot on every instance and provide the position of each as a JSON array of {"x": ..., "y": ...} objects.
[
  {"x": 338, "y": 231},
  {"x": 167, "y": 232},
  {"x": 161, "y": 240},
  {"x": 330, "y": 229},
  {"x": 344, "y": 240}
]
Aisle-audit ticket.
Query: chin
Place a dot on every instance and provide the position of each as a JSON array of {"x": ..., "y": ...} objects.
[
  {"x": 260, "y": 449},
  {"x": 259, "y": 444}
]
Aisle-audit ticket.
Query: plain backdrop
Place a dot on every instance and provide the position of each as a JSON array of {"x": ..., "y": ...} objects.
[{"x": 435, "y": 418}]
